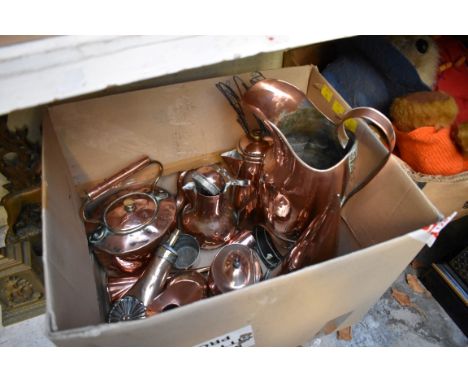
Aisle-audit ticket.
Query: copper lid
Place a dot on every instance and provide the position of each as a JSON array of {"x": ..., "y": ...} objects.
[
  {"x": 253, "y": 146},
  {"x": 209, "y": 180},
  {"x": 234, "y": 267},
  {"x": 130, "y": 212},
  {"x": 135, "y": 222}
]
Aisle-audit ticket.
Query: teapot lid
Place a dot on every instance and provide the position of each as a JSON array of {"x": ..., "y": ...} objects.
[
  {"x": 209, "y": 180},
  {"x": 235, "y": 267},
  {"x": 130, "y": 212}
]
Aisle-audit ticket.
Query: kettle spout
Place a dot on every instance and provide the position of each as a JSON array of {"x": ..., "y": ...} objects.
[{"x": 233, "y": 161}]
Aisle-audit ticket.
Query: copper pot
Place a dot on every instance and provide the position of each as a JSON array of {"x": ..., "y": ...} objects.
[
  {"x": 126, "y": 226},
  {"x": 234, "y": 267}
]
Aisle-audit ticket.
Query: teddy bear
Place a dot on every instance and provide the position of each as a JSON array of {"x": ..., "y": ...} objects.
[
  {"x": 423, "y": 124},
  {"x": 421, "y": 82}
]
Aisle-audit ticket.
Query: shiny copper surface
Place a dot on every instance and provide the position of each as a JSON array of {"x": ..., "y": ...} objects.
[
  {"x": 153, "y": 279},
  {"x": 122, "y": 266},
  {"x": 117, "y": 287},
  {"x": 138, "y": 231},
  {"x": 183, "y": 178},
  {"x": 183, "y": 289},
  {"x": 244, "y": 237},
  {"x": 126, "y": 225},
  {"x": 300, "y": 204},
  {"x": 234, "y": 267},
  {"x": 209, "y": 218},
  {"x": 210, "y": 179},
  {"x": 104, "y": 186},
  {"x": 246, "y": 163}
]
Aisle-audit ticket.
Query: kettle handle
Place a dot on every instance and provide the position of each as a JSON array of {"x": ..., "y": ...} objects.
[
  {"x": 103, "y": 187},
  {"x": 385, "y": 126}
]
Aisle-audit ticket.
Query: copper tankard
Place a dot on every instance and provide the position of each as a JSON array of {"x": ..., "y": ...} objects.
[{"x": 306, "y": 171}]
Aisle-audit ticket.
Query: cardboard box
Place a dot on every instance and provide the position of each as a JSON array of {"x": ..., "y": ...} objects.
[
  {"x": 448, "y": 193},
  {"x": 184, "y": 126}
]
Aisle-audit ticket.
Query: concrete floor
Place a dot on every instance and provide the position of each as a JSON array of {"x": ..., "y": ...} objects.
[{"x": 388, "y": 323}]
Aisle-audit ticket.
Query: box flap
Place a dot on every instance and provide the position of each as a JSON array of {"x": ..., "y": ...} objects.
[
  {"x": 393, "y": 206},
  {"x": 68, "y": 267}
]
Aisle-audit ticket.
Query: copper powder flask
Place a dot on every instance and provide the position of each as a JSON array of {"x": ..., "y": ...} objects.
[
  {"x": 305, "y": 177},
  {"x": 126, "y": 224}
]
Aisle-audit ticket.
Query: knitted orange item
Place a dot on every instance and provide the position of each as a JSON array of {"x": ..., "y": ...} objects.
[{"x": 430, "y": 152}]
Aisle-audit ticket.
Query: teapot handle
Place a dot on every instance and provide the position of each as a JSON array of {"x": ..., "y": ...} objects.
[
  {"x": 103, "y": 187},
  {"x": 385, "y": 126}
]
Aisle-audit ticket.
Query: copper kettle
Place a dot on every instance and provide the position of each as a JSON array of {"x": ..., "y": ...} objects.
[
  {"x": 306, "y": 172},
  {"x": 126, "y": 224}
]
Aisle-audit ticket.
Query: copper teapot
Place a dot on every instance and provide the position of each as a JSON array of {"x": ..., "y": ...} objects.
[
  {"x": 306, "y": 172},
  {"x": 126, "y": 224}
]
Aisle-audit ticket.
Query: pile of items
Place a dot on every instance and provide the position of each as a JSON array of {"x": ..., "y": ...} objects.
[{"x": 272, "y": 207}]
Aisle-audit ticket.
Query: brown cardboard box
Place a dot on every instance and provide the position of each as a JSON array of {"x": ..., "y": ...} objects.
[
  {"x": 185, "y": 125},
  {"x": 448, "y": 193}
]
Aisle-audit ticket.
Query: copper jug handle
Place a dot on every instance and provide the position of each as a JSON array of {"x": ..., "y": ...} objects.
[
  {"x": 384, "y": 125},
  {"x": 103, "y": 187}
]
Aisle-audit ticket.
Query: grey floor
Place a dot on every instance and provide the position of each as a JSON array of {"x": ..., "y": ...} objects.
[
  {"x": 388, "y": 323},
  {"x": 424, "y": 323}
]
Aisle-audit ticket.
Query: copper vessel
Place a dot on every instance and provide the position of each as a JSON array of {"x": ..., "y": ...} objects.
[
  {"x": 209, "y": 215},
  {"x": 305, "y": 174},
  {"x": 126, "y": 224},
  {"x": 183, "y": 289},
  {"x": 246, "y": 163},
  {"x": 234, "y": 267}
]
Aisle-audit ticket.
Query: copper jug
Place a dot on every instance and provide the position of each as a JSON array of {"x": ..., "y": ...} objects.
[
  {"x": 125, "y": 224},
  {"x": 209, "y": 215},
  {"x": 305, "y": 175}
]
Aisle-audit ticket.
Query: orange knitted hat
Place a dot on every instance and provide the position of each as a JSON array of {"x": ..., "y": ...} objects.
[{"x": 430, "y": 151}]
